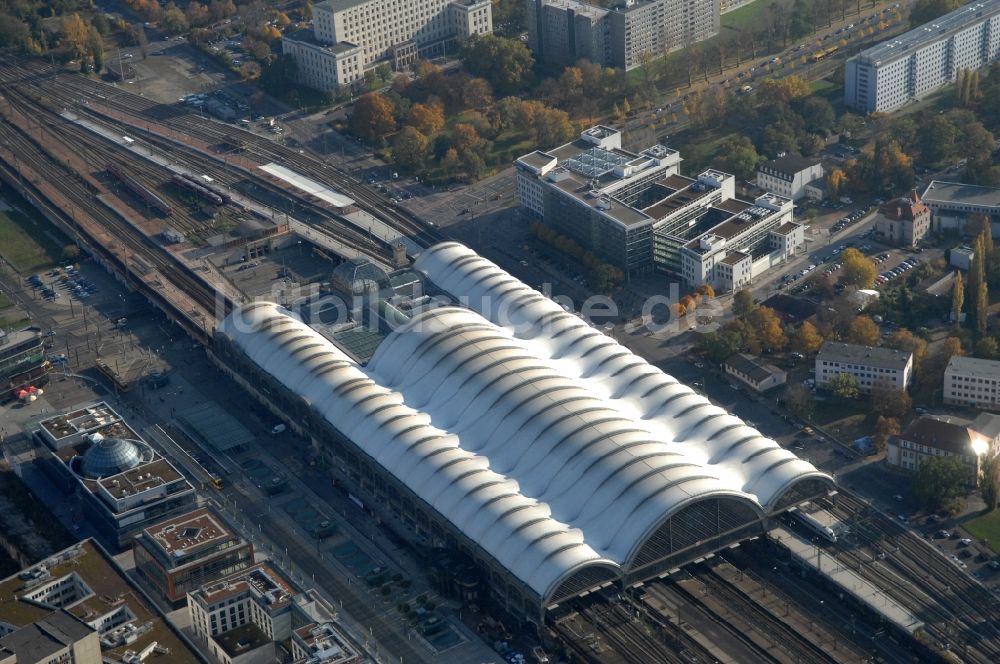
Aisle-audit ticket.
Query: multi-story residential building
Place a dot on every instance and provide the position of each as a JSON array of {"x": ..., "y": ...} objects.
[
  {"x": 22, "y": 360},
  {"x": 124, "y": 485},
  {"x": 904, "y": 221},
  {"x": 242, "y": 616},
  {"x": 944, "y": 436},
  {"x": 753, "y": 371},
  {"x": 636, "y": 212},
  {"x": 351, "y": 36},
  {"x": 179, "y": 555},
  {"x": 871, "y": 366},
  {"x": 789, "y": 175},
  {"x": 969, "y": 381},
  {"x": 78, "y": 606},
  {"x": 953, "y": 205},
  {"x": 913, "y": 65},
  {"x": 625, "y": 35}
]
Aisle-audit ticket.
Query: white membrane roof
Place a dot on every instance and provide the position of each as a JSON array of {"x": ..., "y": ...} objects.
[{"x": 541, "y": 439}]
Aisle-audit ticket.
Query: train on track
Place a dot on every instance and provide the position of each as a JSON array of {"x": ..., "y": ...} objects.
[
  {"x": 203, "y": 191},
  {"x": 145, "y": 194},
  {"x": 819, "y": 521}
]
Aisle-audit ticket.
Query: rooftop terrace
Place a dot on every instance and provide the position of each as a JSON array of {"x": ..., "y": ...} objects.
[{"x": 104, "y": 589}]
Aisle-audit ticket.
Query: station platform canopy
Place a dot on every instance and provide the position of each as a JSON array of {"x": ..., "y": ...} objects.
[
  {"x": 308, "y": 185},
  {"x": 215, "y": 427}
]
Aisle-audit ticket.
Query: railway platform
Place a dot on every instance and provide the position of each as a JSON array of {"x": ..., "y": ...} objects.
[{"x": 812, "y": 556}]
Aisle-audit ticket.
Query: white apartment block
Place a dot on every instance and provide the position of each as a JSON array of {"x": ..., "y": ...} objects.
[
  {"x": 352, "y": 36},
  {"x": 887, "y": 76},
  {"x": 256, "y": 604},
  {"x": 789, "y": 175},
  {"x": 972, "y": 382},
  {"x": 871, "y": 366},
  {"x": 560, "y": 32}
]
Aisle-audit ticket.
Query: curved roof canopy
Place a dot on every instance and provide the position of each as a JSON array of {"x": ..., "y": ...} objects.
[{"x": 544, "y": 441}]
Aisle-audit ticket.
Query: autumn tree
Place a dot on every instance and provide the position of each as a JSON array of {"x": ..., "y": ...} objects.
[
  {"x": 373, "y": 118},
  {"x": 939, "y": 482},
  {"x": 743, "y": 303},
  {"x": 767, "y": 325},
  {"x": 798, "y": 400},
  {"x": 890, "y": 401},
  {"x": 552, "y": 127},
  {"x": 836, "y": 180},
  {"x": 174, "y": 20},
  {"x": 95, "y": 48},
  {"x": 982, "y": 310},
  {"x": 989, "y": 482},
  {"x": 807, "y": 339},
  {"x": 74, "y": 35},
  {"x": 864, "y": 331},
  {"x": 506, "y": 63},
  {"x": 409, "y": 148},
  {"x": 885, "y": 427},
  {"x": 737, "y": 155},
  {"x": 904, "y": 340},
  {"x": 784, "y": 89},
  {"x": 844, "y": 386},
  {"x": 250, "y": 70},
  {"x": 477, "y": 93},
  {"x": 987, "y": 348},
  {"x": 957, "y": 297},
  {"x": 857, "y": 269},
  {"x": 465, "y": 138},
  {"x": 427, "y": 118}
]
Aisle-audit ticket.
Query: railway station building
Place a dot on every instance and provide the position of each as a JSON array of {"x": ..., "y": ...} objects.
[{"x": 520, "y": 437}]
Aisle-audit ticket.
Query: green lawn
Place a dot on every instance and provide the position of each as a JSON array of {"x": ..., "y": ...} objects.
[
  {"x": 25, "y": 244},
  {"x": 746, "y": 15},
  {"x": 4, "y": 301},
  {"x": 986, "y": 527}
]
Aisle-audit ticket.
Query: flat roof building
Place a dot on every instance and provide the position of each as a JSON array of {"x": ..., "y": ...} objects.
[
  {"x": 242, "y": 616},
  {"x": 181, "y": 554},
  {"x": 872, "y": 366},
  {"x": 124, "y": 484},
  {"x": 953, "y": 205},
  {"x": 917, "y": 63},
  {"x": 513, "y": 431},
  {"x": 79, "y": 606},
  {"x": 349, "y": 37},
  {"x": 973, "y": 382},
  {"x": 789, "y": 175},
  {"x": 624, "y": 35},
  {"x": 636, "y": 212}
]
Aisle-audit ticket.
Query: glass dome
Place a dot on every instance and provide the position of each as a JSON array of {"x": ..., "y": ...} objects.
[
  {"x": 359, "y": 276},
  {"x": 110, "y": 456}
]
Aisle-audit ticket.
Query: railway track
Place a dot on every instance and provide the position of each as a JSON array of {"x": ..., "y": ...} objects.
[
  {"x": 785, "y": 636},
  {"x": 957, "y": 609},
  {"x": 54, "y": 98},
  {"x": 616, "y": 635},
  {"x": 81, "y": 190},
  {"x": 262, "y": 147}
]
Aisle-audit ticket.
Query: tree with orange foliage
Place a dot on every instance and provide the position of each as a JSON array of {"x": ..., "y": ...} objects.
[
  {"x": 427, "y": 118},
  {"x": 74, "y": 34},
  {"x": 374, "y": 117}
]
